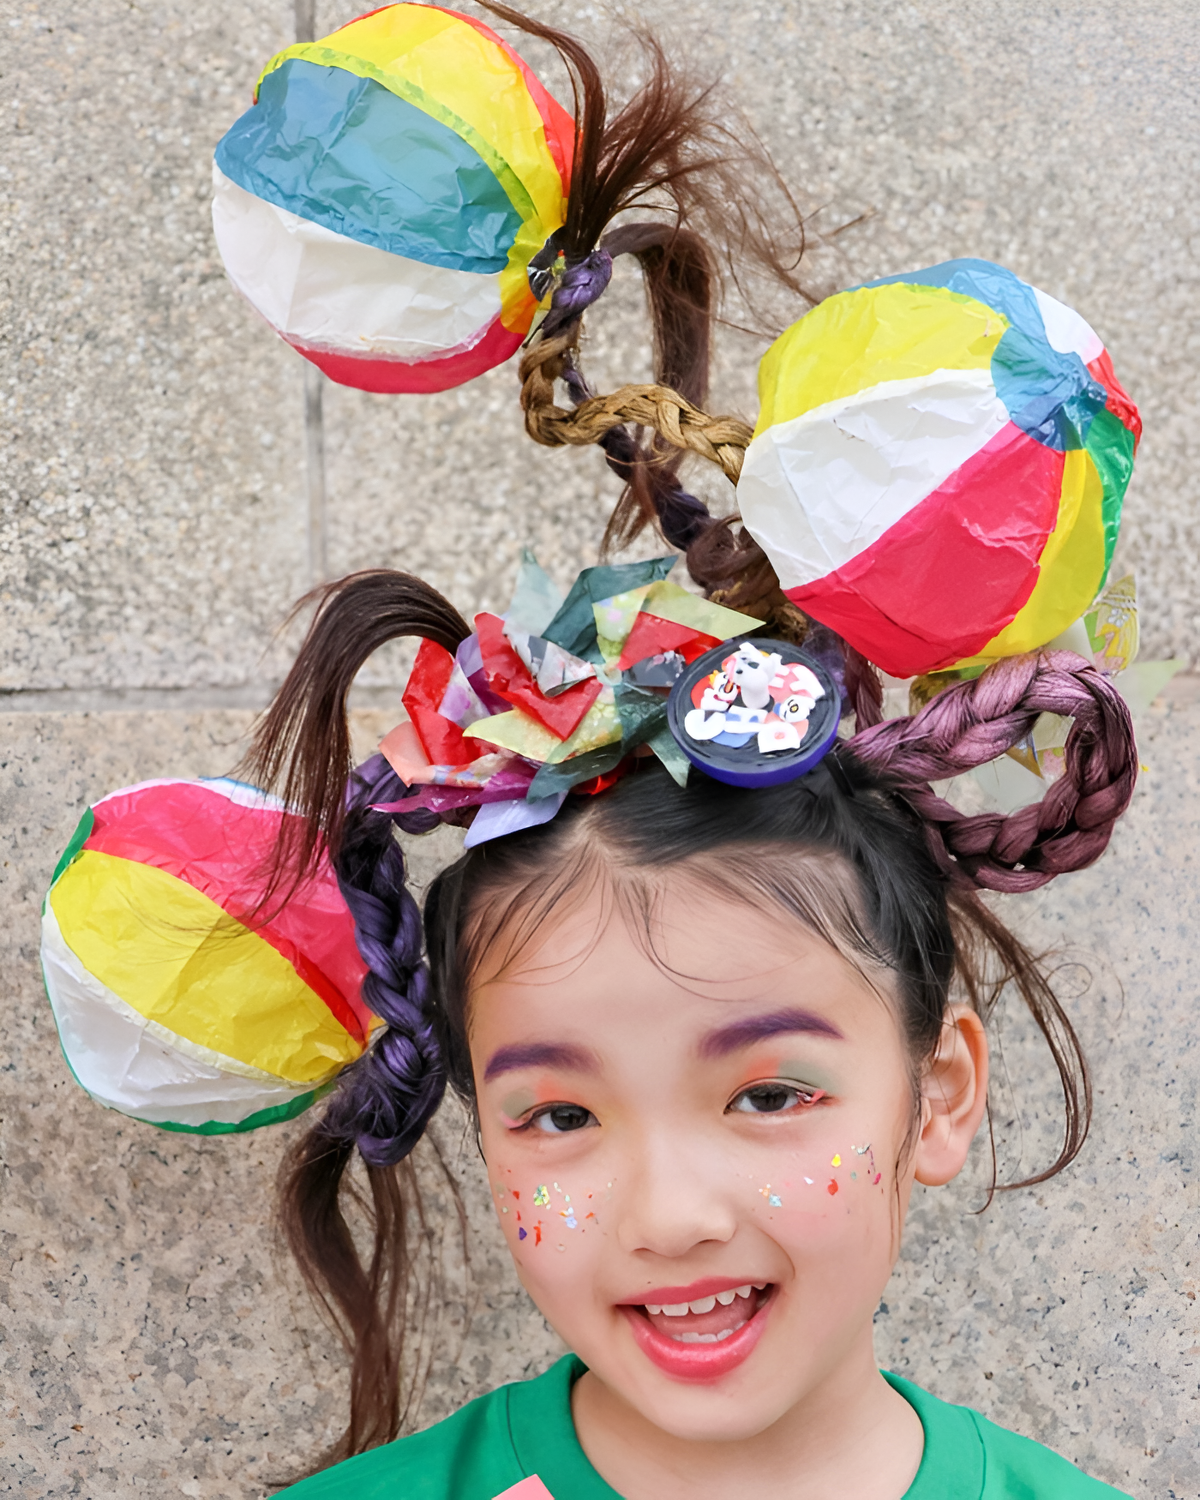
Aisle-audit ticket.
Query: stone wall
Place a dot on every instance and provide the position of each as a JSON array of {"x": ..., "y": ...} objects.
[{"x": 153, "y": 517}]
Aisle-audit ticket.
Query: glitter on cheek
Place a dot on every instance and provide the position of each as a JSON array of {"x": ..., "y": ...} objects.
[
  {"x": 832, "y": 1189},
  {"x": 541, "y": 1197},
  {"x": 521, "y": 1234},
  {"x": 837, "y": 1160},
  {"x": 775, "y": 1200}
]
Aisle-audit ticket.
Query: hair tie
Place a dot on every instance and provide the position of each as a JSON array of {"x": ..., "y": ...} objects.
[{"x": 579, "y": 284}]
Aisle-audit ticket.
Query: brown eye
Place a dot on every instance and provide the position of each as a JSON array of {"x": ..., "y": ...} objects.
[
  {"x": 557, "y": 1119},
  {"x": 772, "y": 1099}
]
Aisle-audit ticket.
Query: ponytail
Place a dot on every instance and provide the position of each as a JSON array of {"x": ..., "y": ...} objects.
[
  {"x": 301, "y": 747},
  {"x": 671, "y": 148},
  {"x": 383, "y": 1103}
]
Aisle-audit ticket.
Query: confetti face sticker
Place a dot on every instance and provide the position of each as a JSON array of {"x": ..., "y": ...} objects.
[
  {"x": 552, "y": 1196},
  {"x": 873, "y": 1177},
  {"x": 759, "y": 714}
]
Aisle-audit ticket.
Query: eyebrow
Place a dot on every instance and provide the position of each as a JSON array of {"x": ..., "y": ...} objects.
[
  {"x": 727, "y": 1039},
  {"x": 539, "y": 1055}
]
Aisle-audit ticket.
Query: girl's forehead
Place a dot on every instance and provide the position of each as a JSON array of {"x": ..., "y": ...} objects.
[
  {"x": 670, "y": 921},
  {"x": 695, "y": 960}
]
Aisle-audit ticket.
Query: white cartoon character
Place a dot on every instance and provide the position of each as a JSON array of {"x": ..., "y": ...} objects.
[
  {"x": 754, "y": 695},
  {"x": 750, "y": 671}
]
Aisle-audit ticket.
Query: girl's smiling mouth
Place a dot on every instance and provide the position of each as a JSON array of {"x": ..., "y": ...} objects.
[{"x": 703, "y": 1331}]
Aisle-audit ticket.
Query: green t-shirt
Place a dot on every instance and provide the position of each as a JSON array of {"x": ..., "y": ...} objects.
[{"x": 525, "y": 1429}]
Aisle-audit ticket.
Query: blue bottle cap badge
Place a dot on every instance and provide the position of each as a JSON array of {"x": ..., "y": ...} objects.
[{"x": 754, "y": 712}]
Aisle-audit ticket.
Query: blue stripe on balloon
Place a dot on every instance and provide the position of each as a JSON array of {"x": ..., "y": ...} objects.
[
  {"x": 346, "y": 153},
  {"x": 1050, "y": 396}
]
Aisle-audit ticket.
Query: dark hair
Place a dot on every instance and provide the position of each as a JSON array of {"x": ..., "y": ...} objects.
[
  {"x": 911, "y": 907},
  {"x": 840, "y": 849},
  {"x": 677, "y": 151}
]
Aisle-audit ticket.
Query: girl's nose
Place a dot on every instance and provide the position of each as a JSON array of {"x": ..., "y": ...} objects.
[{"x": 671, "y": 1199}]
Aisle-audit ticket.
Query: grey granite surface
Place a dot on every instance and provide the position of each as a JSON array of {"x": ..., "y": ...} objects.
[{"x": 153, "y": 1340}]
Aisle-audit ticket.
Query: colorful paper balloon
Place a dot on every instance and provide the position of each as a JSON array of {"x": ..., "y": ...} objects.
[
  {"x": 939, "y": 465},
  {"x": 173, "y": 1004},
  {"x": 381, "y": 201}
]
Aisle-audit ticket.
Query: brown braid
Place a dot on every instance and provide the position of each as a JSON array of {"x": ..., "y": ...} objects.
[{"x": 721, "y": 440}]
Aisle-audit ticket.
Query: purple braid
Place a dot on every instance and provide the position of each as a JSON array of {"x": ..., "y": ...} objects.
[
  {"x": 385, "y": 1101},
  {"x": 581, "y": 283},
  {"x": 975, "y": 722}
]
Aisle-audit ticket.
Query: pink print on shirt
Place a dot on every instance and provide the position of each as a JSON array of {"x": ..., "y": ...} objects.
[{"x": 528, "y": 1489}]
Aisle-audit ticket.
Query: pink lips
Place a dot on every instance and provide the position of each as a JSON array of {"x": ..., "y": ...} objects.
[{"x": 695, "y": 1362}]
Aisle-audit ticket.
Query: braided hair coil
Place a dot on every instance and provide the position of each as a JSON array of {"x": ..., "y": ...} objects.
[{"x": 973, "y": 723}]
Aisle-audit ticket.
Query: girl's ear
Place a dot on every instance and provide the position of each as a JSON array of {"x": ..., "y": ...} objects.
[{"x": 953, "y": 1097}]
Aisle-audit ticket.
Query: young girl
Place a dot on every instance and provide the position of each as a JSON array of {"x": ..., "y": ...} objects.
[
  {"x": 712, "y": 981},
  {"x": 711, "y": 1035}
]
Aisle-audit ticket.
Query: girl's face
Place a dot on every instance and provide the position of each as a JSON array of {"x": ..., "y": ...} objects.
[{"x": 700, "y": 1163}]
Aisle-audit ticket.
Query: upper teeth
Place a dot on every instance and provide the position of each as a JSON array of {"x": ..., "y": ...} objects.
[{"x": 705, "y": 1304}]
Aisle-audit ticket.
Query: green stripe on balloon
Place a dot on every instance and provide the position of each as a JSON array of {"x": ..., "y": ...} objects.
[
  {"x": 276, "y": 1115},
  {"x": 78, "y": 839},
  {"x": 1110, "y": 446}
]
